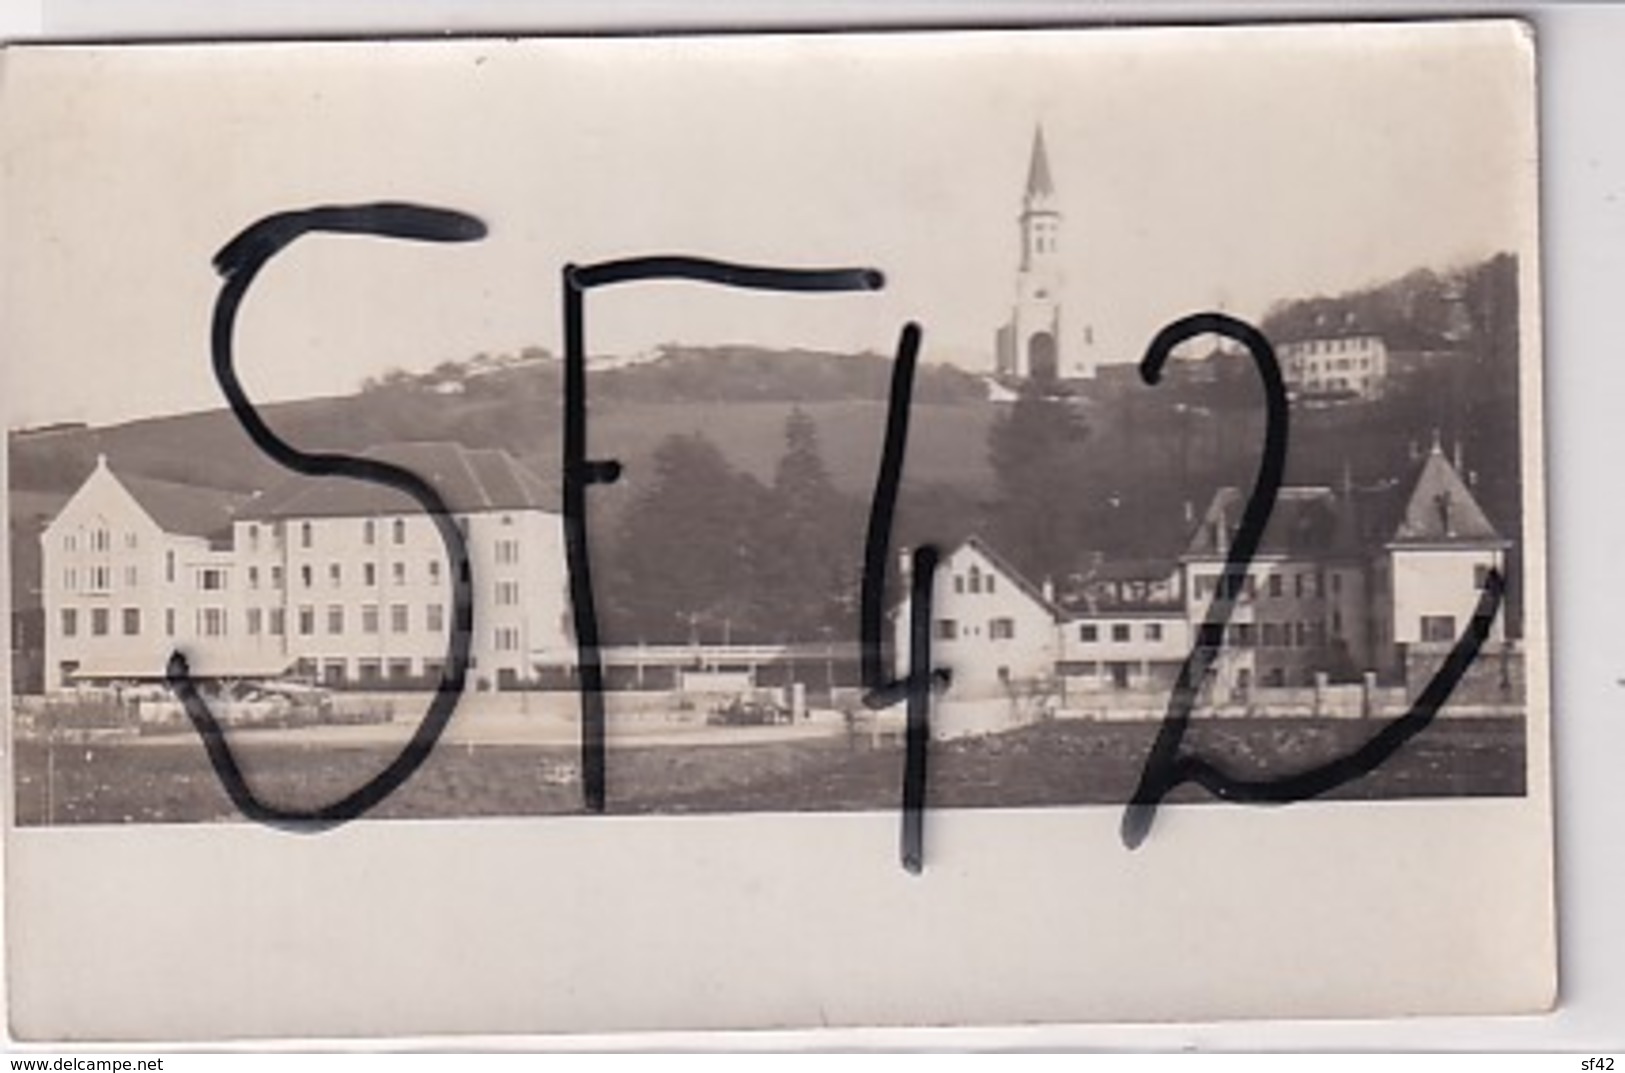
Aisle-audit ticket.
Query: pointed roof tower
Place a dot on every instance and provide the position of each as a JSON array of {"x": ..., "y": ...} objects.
[
  {"x": 1441, "y": 510},
  {"x": 1040, "y": 184}
]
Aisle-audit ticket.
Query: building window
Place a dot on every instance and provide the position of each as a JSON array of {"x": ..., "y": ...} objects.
[
  {"x": 947, "y": 629},
  {"x": 1438, "y": 627},
  {"x": 398, "y": 530},
  {"x": 1153, "y": 631},
  {"x": 70, "y": 622},
  {"x": 70, "y": 543},
  {"x": 276, "y": 577},
  {"x": 1297, "y": 586},
  {"x": 988, "y": 581},
  {"x": 507, "y": 639},
  {"x": 1120, "y": 631},
  {"x": 399, "y": 620},
  {"x": 434, "y": 571},
  {"x": 1275, "y": 584},
  {"x": 307, "y": 535},
  {"x": 254, "y": 621},
  {"x": 369, "y": 532},
  {"x": 507, "y": 552},
  {"x": 335, "y": 619},
  {"x": 307, "y": 620},
  {"x": 369, "y": 575},
  {"x": 1002, "y": 629},
  {"x": 1303, "y": 634},
  {"x": 335, "y": 575},
  {"x": 975, "y": 583},
  {"x": 98, "y": 621},
  {"x": 278, "y": 623},
  {"x": 100, "y": 579},
  {"x": 959, "y": 583},
  {"x": 307, "y": 576},
  {"x": 397, "y": 573},
  {"x": 131, "y": 577},
  {"x": 70, "y": 579},
  {"x": 99, "y": 540},
  {"x": 214, "y": 622},
  {"x": 369, "y": 618},
  {"x": 169, "y": 621},
  {"x": 253, "y": 537},
  {"x": 132, "y": 622},
  {"x": 400, "y": 670},
  {"x": 1088, "y": 633},
  {"x": 1271, "y": 635},
  {"x": 435, "y": 618},
  {"x": 212, "y": 579},
  {"x": 507, "y": 593},
  {"x": 369, "y": 671},
  {"x": 253, "y": 577}
]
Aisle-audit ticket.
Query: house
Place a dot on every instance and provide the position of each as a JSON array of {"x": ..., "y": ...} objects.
[
  {"x": 990, "y": 627},
  {"x": 1437, "y": 552},
  {"x": 1123, "y": 627},
  {"x": 130, "y": 568}
]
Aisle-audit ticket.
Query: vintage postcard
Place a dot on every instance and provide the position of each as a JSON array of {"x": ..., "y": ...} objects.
[{"x": 774, "y": 531}]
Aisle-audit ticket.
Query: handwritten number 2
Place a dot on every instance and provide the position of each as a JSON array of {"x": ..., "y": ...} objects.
[{"x": 1166, "y": 767}]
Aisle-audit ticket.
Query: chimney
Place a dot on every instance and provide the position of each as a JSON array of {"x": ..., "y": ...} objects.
[
  {"x": 1190, "y": 513},
  {"x": 905, "y": 564},
  {"x": 1049, "y": 590},
  {"x": 1456, "y": 456}
]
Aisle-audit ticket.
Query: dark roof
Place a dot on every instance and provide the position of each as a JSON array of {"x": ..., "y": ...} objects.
[
  {"x": 183, "y": 508},
  {"x": 1039, "y": 182},
  {"x": 1307, "y": 522},
  {"x": 1441, "y": 509},
  {"x": 469, "y": 480}
]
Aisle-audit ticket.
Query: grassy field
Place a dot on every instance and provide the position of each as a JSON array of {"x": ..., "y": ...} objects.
[{"x": 1059, "y": 763}]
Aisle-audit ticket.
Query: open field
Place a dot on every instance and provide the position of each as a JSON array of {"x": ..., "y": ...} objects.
[{"x": 1046, "y": 764}]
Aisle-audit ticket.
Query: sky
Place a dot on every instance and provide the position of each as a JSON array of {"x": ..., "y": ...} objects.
[{"x": 1196, "y": 169}]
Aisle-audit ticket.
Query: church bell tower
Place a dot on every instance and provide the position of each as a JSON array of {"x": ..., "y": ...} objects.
[{"x": 1030, "y": 345}]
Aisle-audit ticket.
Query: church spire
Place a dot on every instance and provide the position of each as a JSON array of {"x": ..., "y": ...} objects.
[{"x": 1040, "y": 185}]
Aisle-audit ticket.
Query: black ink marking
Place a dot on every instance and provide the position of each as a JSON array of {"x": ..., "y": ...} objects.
[
  {"x": 1159, "y": 775},
  {"x": 1165, "y": 768},
  {"x": 239, "y": 262},
  {"x": 917, "y": 733},
  {"x": 580, "y": 472},
  {"x": 880, "y": 691}
]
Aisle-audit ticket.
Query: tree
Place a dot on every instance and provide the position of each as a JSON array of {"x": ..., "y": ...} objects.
[
  {"x": 1034, "y": 448},
  {"x": 686, "y": 553},
  {"x": 811, "y": 557}
]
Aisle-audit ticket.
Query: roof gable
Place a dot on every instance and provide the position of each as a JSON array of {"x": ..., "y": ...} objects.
[{"x": 1441, "y": 509}]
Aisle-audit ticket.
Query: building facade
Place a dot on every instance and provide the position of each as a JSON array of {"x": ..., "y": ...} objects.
[
  {"x": 1343, "y": 585},
  {"x": 335, "y": 580},
  {"x": 1348, "y": 365}
]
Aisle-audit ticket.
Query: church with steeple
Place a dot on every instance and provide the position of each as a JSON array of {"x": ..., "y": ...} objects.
[{"x": 1036, "y": 343}]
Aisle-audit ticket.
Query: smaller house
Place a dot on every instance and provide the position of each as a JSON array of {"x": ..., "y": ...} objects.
[{"x": 990, "y": 626}]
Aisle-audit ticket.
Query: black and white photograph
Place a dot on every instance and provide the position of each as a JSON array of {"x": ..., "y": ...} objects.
[{"x": 626, "y": 500}]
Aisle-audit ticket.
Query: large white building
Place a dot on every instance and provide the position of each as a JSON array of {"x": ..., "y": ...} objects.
[{"x": 333, "y": 579}]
